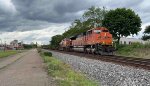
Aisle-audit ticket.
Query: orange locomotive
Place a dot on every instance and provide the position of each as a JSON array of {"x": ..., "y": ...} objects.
[{"x": 96, "y": 40}]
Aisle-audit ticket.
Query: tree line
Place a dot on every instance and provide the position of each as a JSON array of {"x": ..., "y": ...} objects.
[
  {"x": 121, "y": 22},
  {"x": 146, "y": 33}
]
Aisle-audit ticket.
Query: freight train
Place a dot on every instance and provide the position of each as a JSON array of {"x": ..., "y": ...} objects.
[{"x": 95, "y": 41}]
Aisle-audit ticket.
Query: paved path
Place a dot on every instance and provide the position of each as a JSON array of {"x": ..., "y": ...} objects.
[{"x": 26, "y": 71}]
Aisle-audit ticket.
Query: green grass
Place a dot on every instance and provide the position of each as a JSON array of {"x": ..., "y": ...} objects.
[
  {"x": 64, "y": 75},
  {"x": 7, "y": 53},
  {"x": 134, "y": 50}
]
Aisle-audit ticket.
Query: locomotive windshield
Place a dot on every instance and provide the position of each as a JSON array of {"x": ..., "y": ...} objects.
[
  {"x": 97, "y": 31},
  {"x": 105, "y": 30}
]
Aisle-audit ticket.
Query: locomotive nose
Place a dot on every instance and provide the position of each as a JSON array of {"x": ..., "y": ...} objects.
[{"x": 107, "y": 40}]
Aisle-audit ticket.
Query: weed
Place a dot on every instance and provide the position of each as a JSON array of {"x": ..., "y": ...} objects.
[
  {"x": 63, "y": 73},
  {"x": 135, "y": 50}
]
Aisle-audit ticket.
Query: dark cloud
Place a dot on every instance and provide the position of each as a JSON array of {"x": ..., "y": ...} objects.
[
  {"x": 36, "y": 14},
  {"x": 50, "y": 10},
  {"x": 11, "y": 24},
  {"x": 60, "y": 11},
  {"x": 24, "y": 15}
]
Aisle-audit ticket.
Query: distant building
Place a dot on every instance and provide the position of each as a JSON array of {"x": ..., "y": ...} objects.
[
  {"x": 2, "y": 47},
  {"x": 125, "y": 40},
  {"x": 20, "y": 45},
  {"x": 16, "y": 45}
]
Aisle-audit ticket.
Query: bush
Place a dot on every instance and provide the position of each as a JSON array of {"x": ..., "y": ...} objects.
[
  {"x": 147, "y": 45},
  {"x": 119, "y": 46},
  {"x": 48, "y": 54},
  {"x": 134, "y": 50},
  {"x": 132, "y": 46},
  {"x": 137, "y": 45}
]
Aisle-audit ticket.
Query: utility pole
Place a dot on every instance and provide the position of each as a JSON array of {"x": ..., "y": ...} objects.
[
  {"x": 1, "y": 41},
  {"x": 36, "y": 44},
  {"x": 5, "y": 46},
  {"x": 1, "y": 45}
]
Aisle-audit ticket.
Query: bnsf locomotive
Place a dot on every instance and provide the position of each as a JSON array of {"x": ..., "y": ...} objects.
[{"x": 96, "y": 41}]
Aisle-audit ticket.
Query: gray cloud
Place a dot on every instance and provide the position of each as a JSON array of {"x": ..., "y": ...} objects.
[
  {"x": 39, "y": 20},
  {"x": 24, "y": 15},
  {"x": 57, "y": 11}
]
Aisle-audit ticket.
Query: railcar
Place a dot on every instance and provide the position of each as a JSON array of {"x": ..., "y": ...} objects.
[
  {"x": 96, "y": 41},
  {"x": 65, "y": 44}
]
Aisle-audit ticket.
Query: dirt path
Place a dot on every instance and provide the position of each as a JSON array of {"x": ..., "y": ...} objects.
[{"x": 27, "y": 71}]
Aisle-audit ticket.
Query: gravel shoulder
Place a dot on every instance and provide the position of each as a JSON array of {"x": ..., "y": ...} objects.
[
  {"x": 26, "y": 71},
  {"x": 106, "y": 73}
]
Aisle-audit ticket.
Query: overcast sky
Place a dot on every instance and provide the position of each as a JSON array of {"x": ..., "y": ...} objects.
[{"x": 39, "y": 20}]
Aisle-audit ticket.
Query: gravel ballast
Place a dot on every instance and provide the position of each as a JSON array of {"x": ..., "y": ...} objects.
[{"x": 106, "y": 73}]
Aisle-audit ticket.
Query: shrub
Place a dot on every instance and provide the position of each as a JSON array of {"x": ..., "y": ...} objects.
[
  {"x": 137, "y": 45},
  {"x": 147, "y": 45},
  {"x": 48, "y": 54},
  {"x": 135, "y": 49}
]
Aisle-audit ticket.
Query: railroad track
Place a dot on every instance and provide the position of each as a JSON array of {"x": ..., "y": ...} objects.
[
  {"x": 125, "y": 61},
  {"x": 136, "y": 62}
]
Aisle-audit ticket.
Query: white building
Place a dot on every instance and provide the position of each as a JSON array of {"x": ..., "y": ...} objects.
[
  {"x": 125, "y": 40},
  {"x": 14, "y": 44},
  {"x": 2, "y": 47}
]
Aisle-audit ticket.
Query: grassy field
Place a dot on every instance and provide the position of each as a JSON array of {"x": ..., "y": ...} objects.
[
  {"x": 134, "y": 50},
  {"x": 64, "y": 75},
  {"x": 7, "y": 53}
]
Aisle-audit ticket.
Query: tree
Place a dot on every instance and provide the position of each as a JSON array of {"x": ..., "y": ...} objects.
[
  {"x": 146, "y": 32},
  {"x": 29, "y": 46},
  {"x": 122, "y": 22},
  {"x": 145, "y": 37},
  {"x": 94, "y": 16},
  {"x": 55, "y": 41},
  {"x": 76, "y": 28}
]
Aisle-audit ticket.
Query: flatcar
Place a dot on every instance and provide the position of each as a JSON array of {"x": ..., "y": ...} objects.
[{"x": 96, "y": 41}]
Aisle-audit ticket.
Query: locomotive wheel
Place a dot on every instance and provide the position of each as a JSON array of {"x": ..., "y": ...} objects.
[
  {"x": 85, "y": 51},
  {"x": 92, "y": 52},
  {"x": 101, "y": 53},
  {"x": 97, "y": 49},
  {"x": 88, "y": 51},
  {"x": 111, "y": 54}
]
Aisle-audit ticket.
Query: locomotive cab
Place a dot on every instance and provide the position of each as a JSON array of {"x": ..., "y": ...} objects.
[
  {"x": 103, "y": 40},
  {"x": 99, "y": 36},
  {"x": 102, "y": 36},
  {"x": 99, "y": 40}
]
